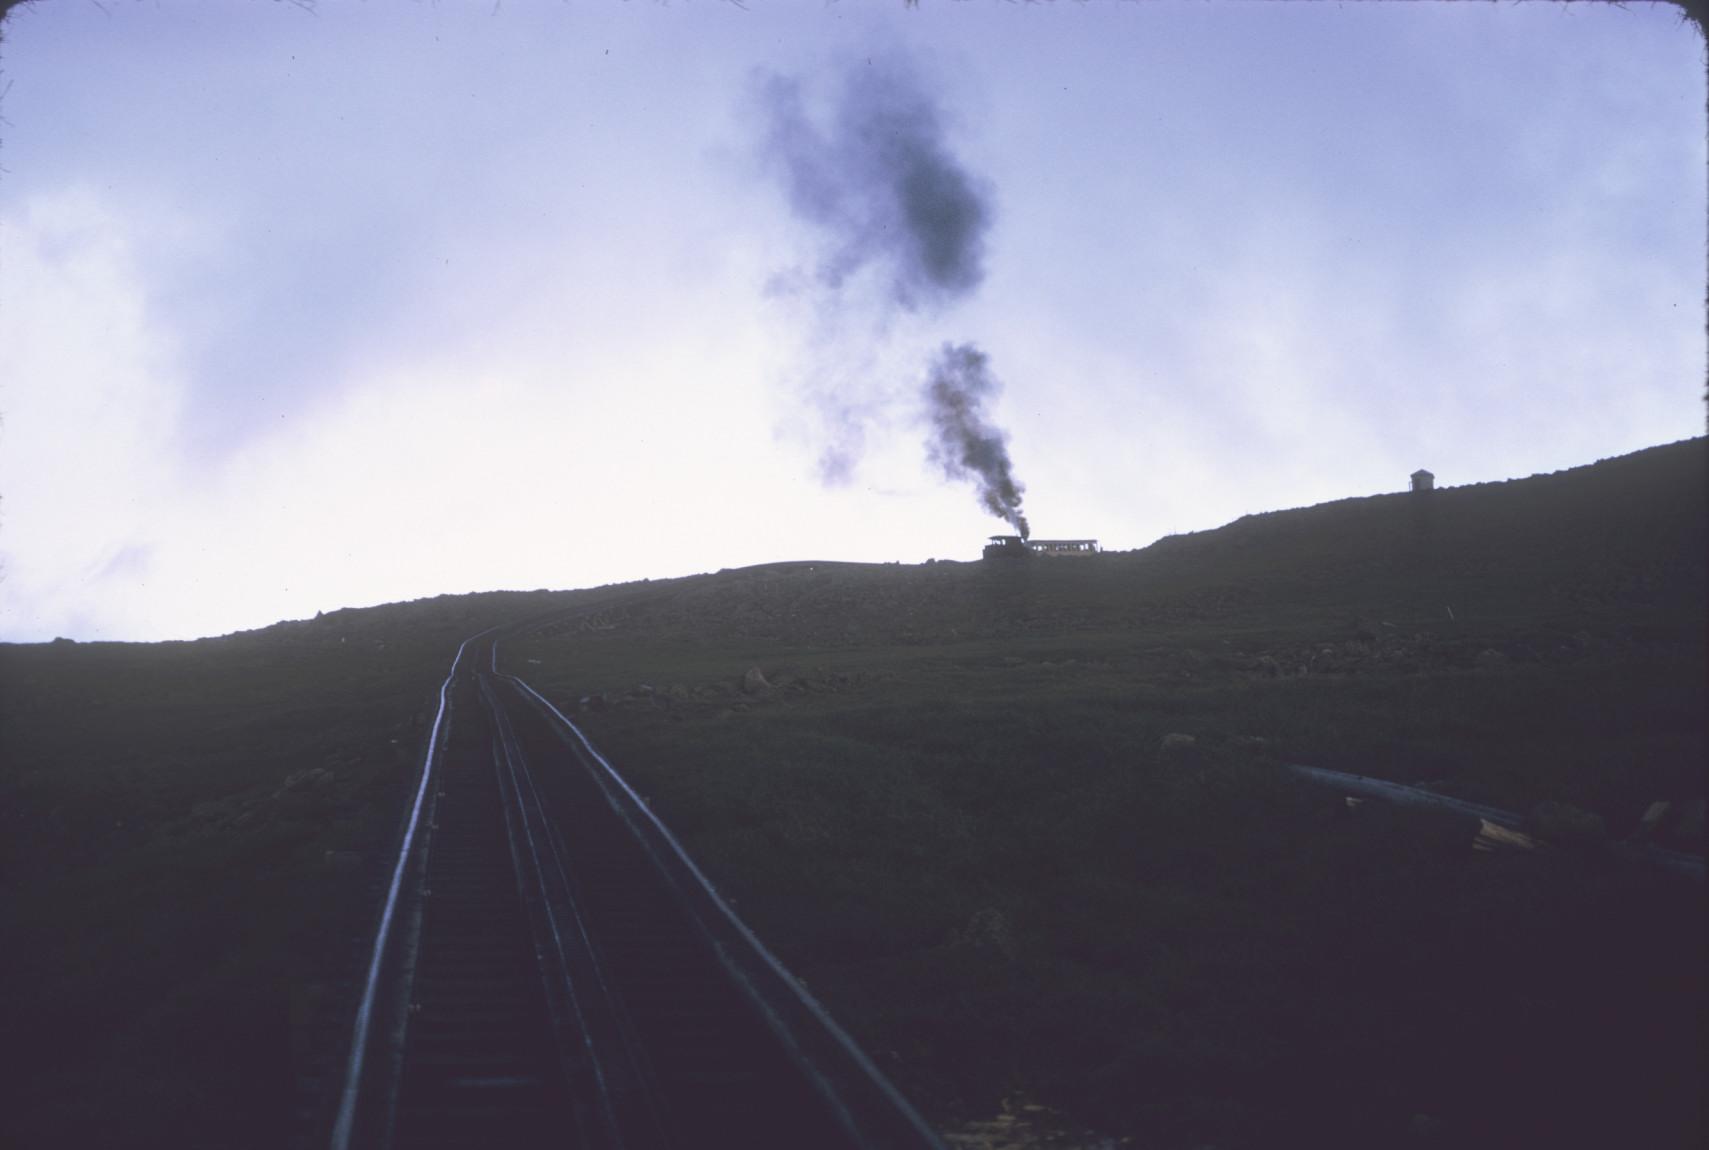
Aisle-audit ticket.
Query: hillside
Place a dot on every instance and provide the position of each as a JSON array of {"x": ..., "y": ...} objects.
[
  {"x": 1025, "y": 826},
  {"x": 956, "y": 798},
  {"x": 1625, "y": 534},
  {"x": 1542, "y": 586},
  {"x": 192, "y": 836}
]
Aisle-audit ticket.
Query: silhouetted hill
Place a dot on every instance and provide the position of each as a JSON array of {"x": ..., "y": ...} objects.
[
  {"x": 1625, "y": 534},
  {"x": 1624, "y": 530},
  {"x": 1020, "y": 824},
  {"x": 1023, "y": 824}
]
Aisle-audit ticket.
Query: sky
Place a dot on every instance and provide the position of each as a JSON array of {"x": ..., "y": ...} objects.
[{"x": 306, "y": 307}]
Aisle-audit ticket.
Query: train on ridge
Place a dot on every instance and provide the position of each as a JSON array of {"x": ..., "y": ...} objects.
[{"x": 1014, "y": 547}]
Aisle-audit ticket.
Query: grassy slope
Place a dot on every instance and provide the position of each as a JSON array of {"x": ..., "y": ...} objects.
[
  {"x": 953, "y": 816},
  {"x": 166, "y": 813}
]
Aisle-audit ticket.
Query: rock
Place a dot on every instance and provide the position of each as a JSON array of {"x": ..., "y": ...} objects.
[
  {"x": 1653, "y": 816},
  {"x": 1493, "y": 839},
  {"x": 1490, "y": 658},
  {"x": 754, "y": 683},
  {"x": 1565, "y": 825},
  {"x": 343, "y": 860},
  {"x": 1688, "y": 822},
  {"x": 1175, "y": 741},
  {"x": 312, "y": 777},
  {"x": 1327, "y": 662},
  {"x": 988, "y": 929}
]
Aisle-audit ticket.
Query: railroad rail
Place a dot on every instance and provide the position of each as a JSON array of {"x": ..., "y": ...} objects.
[
  {"x": 1645, "y": 854},
  {"x": 550, "y": 968}
]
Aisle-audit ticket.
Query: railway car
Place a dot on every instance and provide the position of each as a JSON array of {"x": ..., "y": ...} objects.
[{"x": 1014, "y": 547}]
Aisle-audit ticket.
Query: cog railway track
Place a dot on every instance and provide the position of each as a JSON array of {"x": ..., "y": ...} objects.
[{"x": 551, "y": 969}]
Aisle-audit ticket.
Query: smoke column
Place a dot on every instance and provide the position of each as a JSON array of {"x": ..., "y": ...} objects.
[
  {"x": 903, "y": 224},
  {"x": 964, "y": 443},
  {"x": 881, "y": 185}
]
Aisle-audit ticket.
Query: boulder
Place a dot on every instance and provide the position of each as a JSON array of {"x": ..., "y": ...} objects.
[
  {"x": 988, "y": 929},
  {"x": 1676, "y": 825},
  {"x": 1688, "y": 823},
  {"x": 755, "y": 683},
  {"x": 1566, "y": 825},
  {"x": 343, "y": 861},
  {"x": 1424, "y": 1130},
  {"x": 1653, "y": 816},
  {"x": 308, "y": 779},
  {"x": 1175, "y": 742}
]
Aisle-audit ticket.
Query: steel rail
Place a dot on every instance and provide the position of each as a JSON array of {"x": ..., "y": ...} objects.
[
  {"x": 345, "y": 1123},
  {"x": 1687, "y": 865},
  {"x": 562, "y": 998},
  {"x": 918, "y": 1132},
  {"x": 570, "y": 938},
  {"x": 1404, "y": 795},
  {"x": 631, "y": 1078}
]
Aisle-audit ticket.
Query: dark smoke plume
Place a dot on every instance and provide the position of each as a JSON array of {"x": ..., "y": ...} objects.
[
  {"x": 904, "y": 227},
  {"x": 881, "y": 184},
  {"x": 963, "y": 443}
]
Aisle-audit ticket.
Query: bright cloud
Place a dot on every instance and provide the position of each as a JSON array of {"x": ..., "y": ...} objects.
[{"x": 92, "y": 395}]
